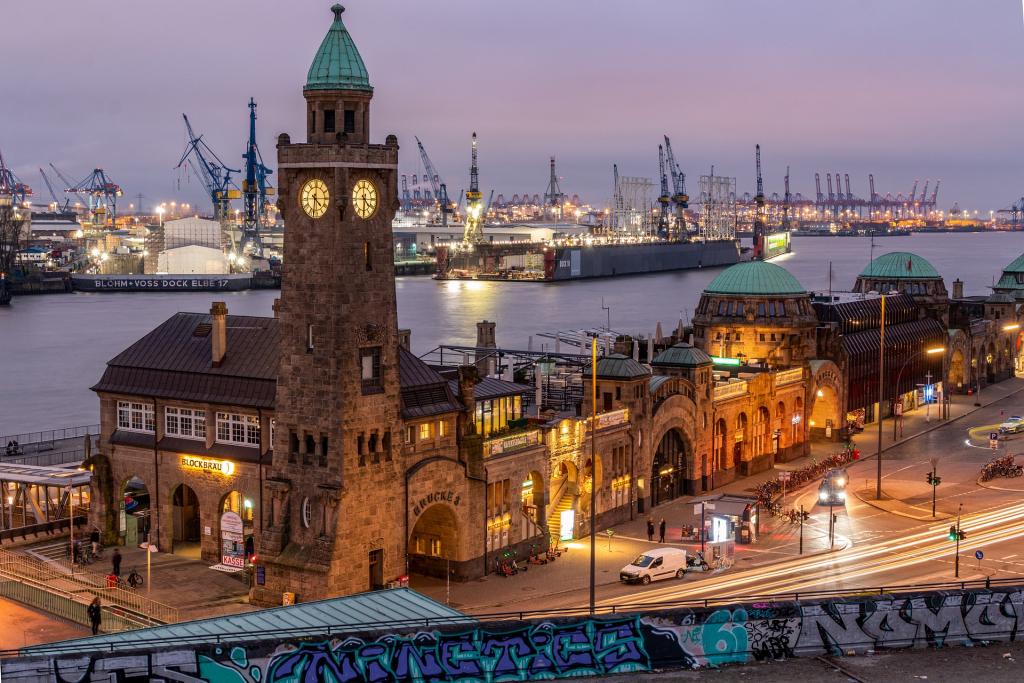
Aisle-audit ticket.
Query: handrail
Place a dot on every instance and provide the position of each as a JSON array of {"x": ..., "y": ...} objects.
[
  {"x": 46, "y": 435},
  {"x": 141, "y": 641}
]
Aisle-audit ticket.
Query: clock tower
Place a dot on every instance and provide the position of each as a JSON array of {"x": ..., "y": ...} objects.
[{"x": 333, "y": 513}]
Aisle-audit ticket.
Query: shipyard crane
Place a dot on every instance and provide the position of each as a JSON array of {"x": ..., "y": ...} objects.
[
  {"x": 553, "y": 196},
  {"x": 935, "y": 195},
  {"x": 617, "y": 201},
  {"x": 49, "y": 186},
  {"x": 11, "y": 186},
  {"x": 255, "y": 190},
  {"x": 759, "y": 210},
  {"x": 101, "y": 193},
  {"x": 664, "y": 199},
  {"x": 67, "y": 183},
  {"x": 679, "y": 197},
  {"x": 786, "y": 203},
  {"x": 213, "y": 173},
  {"x": 1016, "y": 211},
  {"x": 475, "y": 217},
  {"x": 439, "y": 188}
]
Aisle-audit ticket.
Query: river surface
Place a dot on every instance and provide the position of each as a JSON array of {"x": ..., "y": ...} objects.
[{"x": 54, "y": 347}]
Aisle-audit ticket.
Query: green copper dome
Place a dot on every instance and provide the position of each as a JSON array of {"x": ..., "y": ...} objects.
[
  {"x": 682, "y": 354},
  {"x": 1016, "y": 266},
  {"x": 337, "y": 65},
  {"x": 901, "y": 265},
  {"x": 755, "y": 277},
  {"x": 617, "y": 366}
]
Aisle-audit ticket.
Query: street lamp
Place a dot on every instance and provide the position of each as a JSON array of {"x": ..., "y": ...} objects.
[
  {"x": 160, "y": 213},
  {"x": 932, "y": 351}
]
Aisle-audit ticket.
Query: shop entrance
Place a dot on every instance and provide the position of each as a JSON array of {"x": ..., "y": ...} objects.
[
  {"x": 134, "y": 525},
  {"x": 185, "y": 517},
  {"x": 669, "y": 470}
]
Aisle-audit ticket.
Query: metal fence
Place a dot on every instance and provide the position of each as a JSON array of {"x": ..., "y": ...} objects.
[
  {"x": 46, "y": 458},
  {"x": 130, "y": 606}
]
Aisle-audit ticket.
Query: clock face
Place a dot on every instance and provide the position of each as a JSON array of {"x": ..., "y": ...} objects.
[
  {"x": 364, "y": 198},
  {"x": 314, "y": 198}
]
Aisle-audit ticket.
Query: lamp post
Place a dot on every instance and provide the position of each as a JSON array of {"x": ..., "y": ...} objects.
[
  {"x": 881, "y": 398},
  {"x": 899, "y": 375},
  {"x": 593, "y": 469}
]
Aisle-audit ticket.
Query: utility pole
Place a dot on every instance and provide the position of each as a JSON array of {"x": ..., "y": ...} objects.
[
  {"x": 881, "y": 396},
  {"x": 959, "y": 536},
  {"x": 802, "y": 528},
  {"x": 934, "y": 480}
]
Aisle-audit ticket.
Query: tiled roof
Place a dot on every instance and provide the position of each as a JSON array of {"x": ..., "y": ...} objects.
[
  {"x": 617, "y": 366},
  {"x": 901, "y": 265},
  {"x": 424, "y": 391},
  {"x": 902, "y": 335},
  {"x": 337, "y": 64},
  {"x": 682, "y": 354},
  {"x": 756, "y": 278},
  {"x": 489, "y": 387}
]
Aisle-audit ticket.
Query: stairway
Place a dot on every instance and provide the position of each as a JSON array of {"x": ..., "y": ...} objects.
[{"x": 555, "y": 518}]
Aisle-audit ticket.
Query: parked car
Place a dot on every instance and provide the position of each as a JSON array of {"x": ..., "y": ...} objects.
[
  {"x": 1013, "y": 425},
  {"x": 654, "y": 565}
]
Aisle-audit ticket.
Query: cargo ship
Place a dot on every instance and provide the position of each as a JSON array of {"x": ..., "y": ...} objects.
[{"x": 554, "y": 262}]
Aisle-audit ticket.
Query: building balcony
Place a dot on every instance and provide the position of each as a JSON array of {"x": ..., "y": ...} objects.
[
  {"x": 731, "y": 390},
  {"x": 511, "y": 443}
]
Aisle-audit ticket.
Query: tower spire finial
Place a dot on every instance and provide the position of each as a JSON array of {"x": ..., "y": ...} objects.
[{"x": 338, "y": 10}]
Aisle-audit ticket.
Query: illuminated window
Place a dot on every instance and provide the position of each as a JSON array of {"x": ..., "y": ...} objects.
[
  {"x": 442, "y": 428},
  {"x": 239, "y": 430},
  {"x": 369, "y": 362},
  {"x": 135, "y": 417},
  {"x": 425, "y": 431},
  {"x": 185, "y": 422}
]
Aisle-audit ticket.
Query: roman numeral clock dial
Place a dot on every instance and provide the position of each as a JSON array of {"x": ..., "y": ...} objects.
[
  {"x": 314, "y": 198},
  {"x": 364, "y": 198}
]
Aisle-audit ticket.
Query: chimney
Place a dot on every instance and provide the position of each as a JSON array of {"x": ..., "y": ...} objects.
[
  {"x": 219, "y": 333},
  {"x": 405, "y": 339},
  {"x": 485, "y": 339},
  {"x": 958, "y": 289}
]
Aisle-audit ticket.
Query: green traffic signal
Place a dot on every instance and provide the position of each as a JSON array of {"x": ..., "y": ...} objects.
[{"x": 952, "y": 532}]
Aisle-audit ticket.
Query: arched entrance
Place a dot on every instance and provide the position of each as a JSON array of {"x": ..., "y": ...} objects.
[
  {"x": 185, "y": 532},
  {"x": 741, "y": 437},
  {"x": 533, "y": 497},
  {"x": 779, "y": 424},
  {"x": 434, "y": 543},
  {"x": 720, "y": 454},
  {"x": 990, "y": 364},
  {"x": 797, "y": 421},
  {"x": 237, "y": 504},
  {"x": 135, "y": 502},
  {"x": 668, "y": 473},
  {"x": 762, "y": 419},
  {"x": 825, "y": 412},
  {"x": 956, "y": 371}
]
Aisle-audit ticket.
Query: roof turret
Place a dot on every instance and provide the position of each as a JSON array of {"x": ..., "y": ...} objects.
[{"x": 337, "y": 64}]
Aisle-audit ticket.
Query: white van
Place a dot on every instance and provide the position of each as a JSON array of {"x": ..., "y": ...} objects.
[{"x": 655, "y": 564}]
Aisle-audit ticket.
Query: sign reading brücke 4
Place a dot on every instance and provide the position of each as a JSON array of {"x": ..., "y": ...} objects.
[{"x": 436, "y": 497}]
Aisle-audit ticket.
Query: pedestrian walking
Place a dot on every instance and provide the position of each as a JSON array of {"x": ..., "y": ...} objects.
[
  {"x": 650, "y": 530},
  {"x": 661, "y": 531},
  {"x": 94, "y": 539},
  {"x": 116, "y": 562},
  {"x": 95, "y": 615}
]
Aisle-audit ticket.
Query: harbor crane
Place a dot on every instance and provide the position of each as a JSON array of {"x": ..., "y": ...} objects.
[
  {"x": 11, "y": 187},
  {"x": 474, "y": 233},
  {"x": 787, "y": 201},
  {"x": 664, "y": 199},
  {"x": 759, "y": 203},
  {"x": 439, "y": 188},
  {"x": 680, "y": 199},
  {"x": 102, "y": 194},
  {"x": 617, "y": 201},
  {"x": 82, "y": 201},
  {"x": 213, "y": 173},
  {"x": 554, "y": 198},
  {"x": 53, "y": 193},
  {"x": 255, "y": 190}
]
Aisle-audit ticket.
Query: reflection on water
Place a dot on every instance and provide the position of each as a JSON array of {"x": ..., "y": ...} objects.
[{"x": 53, "y": 348}]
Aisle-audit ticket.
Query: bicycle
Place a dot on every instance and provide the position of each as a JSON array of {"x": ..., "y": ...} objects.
[{"x": 134, "y": 580}]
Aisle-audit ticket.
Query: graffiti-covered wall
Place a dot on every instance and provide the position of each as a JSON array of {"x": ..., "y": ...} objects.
[{"x": 543, "y": 650}]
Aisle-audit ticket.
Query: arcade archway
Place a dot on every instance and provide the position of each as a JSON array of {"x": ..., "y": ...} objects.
[
  {"x": 668, "y": 472},
  {"x": 825, "y": 411},
  {"x": 186, "y": 527},
  {"x": 434, "y": 542},
  {"x": 957, "y": 378},
  {"x": 720, "y": 454},
  {"x": 742, "y": 438},
  {"x": 135, "y": 501},
  {"x": 532, "y": 496}
]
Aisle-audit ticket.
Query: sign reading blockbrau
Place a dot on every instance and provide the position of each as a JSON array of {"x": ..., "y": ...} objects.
[
  {"x": 426, "y": 501},
  {"x": 193, "y": 462},
  {"x": 514, "y": 442}
]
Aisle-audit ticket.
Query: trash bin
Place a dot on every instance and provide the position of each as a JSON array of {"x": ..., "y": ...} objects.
[{"x": 111, "y": 581}]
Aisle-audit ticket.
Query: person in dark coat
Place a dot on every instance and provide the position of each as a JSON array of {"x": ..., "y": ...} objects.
[
  {"x": 95, "y": 614},
  {"x": 661, "y": 531},
  {"x": 116, "y": 562},
  {"x": 650, "y": 529}
]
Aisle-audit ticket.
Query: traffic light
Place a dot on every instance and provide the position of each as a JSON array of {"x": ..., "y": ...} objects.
[
  {"x": 953, "y": 533},
  {"x": 805, "y": 515},
  {"x": 933, "y": 479}
]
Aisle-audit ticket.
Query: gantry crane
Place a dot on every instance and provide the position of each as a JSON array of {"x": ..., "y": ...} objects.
[
  {"x": 474, "y": 233},
  {"x": 255, "y": 190},
  {"x": 67, "y": 183},
  {"x": 759, "y": 208},
  {"x": 53, "y": 193},
  {"x": 438, "y": 186},
  {"x": 11, "y": 187},
  {"x": 554, "y": 198},
  {"x": 102, "y": 195},
  {"x": 787, "y": 200},
  {"x": 664, "y": 199},
  {"x": 213, "y": 173},
  {"x": 680, "y": 199}
]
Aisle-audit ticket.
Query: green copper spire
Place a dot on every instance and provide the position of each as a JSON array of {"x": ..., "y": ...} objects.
[{"x": 337, "y": 65}]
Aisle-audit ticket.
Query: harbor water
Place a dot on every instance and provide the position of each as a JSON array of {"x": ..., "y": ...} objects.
[{"x": 54, "y": 347}]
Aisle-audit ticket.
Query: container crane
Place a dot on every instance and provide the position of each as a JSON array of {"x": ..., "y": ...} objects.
[
  {"x": 759, "y": 210},
  {"x": 617, "y": 201},
  {"x": 255, "y": 190},
  {"x": 102, "y": 194},
  {"x": 67, "y": 183},
  {"x": 787, "y": 200},
  {"x": 664, "y": 199},
  {"x": 679, "y": 197},
  {"x": 554, "y": 198},
  {"x": 11, "y": 186},
  {"x": 474, "y": 233},
  {"x": 56, "y": 202},
  {"x": 211, "y": 171},
  {"x": 439, "y": 188}
]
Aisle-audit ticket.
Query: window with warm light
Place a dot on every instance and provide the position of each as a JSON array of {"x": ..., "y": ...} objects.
[{"x": 425, "y": 431}]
